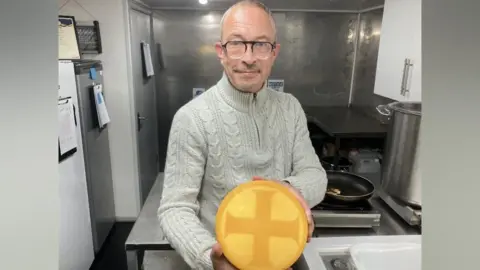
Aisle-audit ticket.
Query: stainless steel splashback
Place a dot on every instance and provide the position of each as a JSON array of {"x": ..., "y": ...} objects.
[
  {"x": 272, "y": 4},
  {"x": 315, "y": 60},
  {"x": 366, "y": 59},
  {"x": 184, "y": 42},
  {"x": 316, "y": 57},
  {"x": 370, "y": 27}
]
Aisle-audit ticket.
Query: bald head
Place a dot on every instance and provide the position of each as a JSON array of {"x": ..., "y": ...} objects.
[
  {"x": 243, "y": 8},
  {"x": 248, "y": 46}
]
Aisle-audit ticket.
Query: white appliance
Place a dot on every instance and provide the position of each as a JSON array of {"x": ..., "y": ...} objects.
[
  {"x": 96, "y": 147},
  {"x": 76, "y": 243},
  {"x": 362, "y": 252},
  {"x": 391, "y": 256}
]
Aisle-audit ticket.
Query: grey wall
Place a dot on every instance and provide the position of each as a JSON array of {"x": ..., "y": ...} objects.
[{"x": 366, "y": 63}]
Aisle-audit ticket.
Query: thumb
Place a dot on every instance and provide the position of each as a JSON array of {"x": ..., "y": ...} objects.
[{"x": 217, "y": 251}]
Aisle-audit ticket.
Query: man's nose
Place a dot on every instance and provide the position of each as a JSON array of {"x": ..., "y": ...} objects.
[{"x": 248, "y": 57}]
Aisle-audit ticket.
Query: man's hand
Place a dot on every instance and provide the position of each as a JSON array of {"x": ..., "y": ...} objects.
[
  {"x": 302, "y": 201},
  {"x": 218, "y": 259}
]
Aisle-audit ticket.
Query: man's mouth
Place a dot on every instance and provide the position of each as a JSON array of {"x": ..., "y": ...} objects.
[{"x": 247, "y": 71}]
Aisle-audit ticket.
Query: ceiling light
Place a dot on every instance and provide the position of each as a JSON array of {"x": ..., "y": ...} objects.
[{"x": 203, "y": 2}]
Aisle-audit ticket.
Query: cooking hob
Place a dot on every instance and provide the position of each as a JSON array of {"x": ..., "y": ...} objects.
[{"x": 329, "y": 214}]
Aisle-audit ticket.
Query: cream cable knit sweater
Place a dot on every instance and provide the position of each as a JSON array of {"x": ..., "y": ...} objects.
[{"x": 223, "y": 138}]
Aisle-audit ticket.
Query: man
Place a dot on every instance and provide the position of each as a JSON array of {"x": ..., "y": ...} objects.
[{"x": 236, "y": 131}]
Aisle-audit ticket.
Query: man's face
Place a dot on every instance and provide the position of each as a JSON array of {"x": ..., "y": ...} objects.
[{"x": 247, "y": 70}]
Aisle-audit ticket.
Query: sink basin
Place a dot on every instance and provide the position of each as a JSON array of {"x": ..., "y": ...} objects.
[{"x": 391, "y": 256}]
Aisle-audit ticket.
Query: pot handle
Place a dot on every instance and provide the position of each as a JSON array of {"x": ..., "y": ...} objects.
[{"x": 383, "y": 110}]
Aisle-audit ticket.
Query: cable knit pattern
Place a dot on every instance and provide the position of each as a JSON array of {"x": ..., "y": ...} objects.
[{"x": 221, "y": 139}]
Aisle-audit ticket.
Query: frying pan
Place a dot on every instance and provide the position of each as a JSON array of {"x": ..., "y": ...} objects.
[{"x": 352, "y": 187}]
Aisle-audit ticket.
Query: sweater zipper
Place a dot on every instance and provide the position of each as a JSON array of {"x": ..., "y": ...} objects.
[{"x": 254, "y": 117}]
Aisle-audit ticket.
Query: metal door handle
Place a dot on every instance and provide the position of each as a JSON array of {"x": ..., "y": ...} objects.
[
  {"x": 402, "y": 86},
  {"x": 407, "y": 76},
  {"x": 406, "y": 71},
  {"x": 139, "y": 121}
]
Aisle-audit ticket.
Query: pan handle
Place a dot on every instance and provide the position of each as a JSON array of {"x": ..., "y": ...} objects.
[{"x": 383, "y": 110}]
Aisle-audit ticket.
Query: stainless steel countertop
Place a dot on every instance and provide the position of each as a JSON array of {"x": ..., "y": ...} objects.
[
  {"x": 146, "y": 232},
  {"x": 147, "y": 235},
  {"x": 345, "y": 122}
]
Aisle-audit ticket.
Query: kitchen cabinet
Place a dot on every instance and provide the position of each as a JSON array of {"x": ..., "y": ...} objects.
[{"x": 399, "y": 63}]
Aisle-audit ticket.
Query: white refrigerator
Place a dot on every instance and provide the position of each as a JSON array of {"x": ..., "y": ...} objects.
[{"x": 76, "y": 242}]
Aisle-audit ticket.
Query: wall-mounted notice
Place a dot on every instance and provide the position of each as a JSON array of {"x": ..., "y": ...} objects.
[
  {"x": 102, "y": 113},
  {"x": 147, "y": 58},
  {"x": 198, "y": 91},
  {"x": 67, "y": 136},
  {"x": 67, "y": 38},
  {"x": 276, "y": 85}
]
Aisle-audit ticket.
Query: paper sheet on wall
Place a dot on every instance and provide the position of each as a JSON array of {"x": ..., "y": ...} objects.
[
  {"x": 147, "y": 55},
  {"x": 67, "y": 137},
  {"x": 102, "y": 113},
  {"x": 276, "y": 85},
  {"x": 67, "y": 39}
]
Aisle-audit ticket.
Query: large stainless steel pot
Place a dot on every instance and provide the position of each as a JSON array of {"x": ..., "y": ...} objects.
[{"x": 401, "y": 177}]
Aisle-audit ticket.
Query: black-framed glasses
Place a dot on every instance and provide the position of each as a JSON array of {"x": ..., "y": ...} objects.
[{"x": 237, "y": 49}]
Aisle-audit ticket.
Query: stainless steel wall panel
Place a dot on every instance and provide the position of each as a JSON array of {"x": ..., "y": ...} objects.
[
  {"x": 316, "y": 58},
  {"x": 317, "y": 5},
  {"x": 366, "y": 64}
]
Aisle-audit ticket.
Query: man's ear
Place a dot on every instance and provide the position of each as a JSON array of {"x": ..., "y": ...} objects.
[
  {"x": 276, "y": 51},
  {"x": 219, "y": 50}
]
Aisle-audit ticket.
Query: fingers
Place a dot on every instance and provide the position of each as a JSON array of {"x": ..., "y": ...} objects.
[
  {"x": 303, "y": 203},
  {"x": 218, "y": 259},
  {"x": 216, "y": 251},
  {"x": 230, "y": 266},
  {"x": 308, "y": 213},
  {"x": 311, "y": 227}
]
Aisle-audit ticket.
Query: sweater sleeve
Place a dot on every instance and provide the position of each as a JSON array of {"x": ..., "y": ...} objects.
[
  {"x": 308, "y": 175},
  {"x": 184, "y": 168}
]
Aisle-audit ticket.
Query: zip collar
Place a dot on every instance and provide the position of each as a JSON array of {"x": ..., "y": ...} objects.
[{"x": 242, "y": 101}]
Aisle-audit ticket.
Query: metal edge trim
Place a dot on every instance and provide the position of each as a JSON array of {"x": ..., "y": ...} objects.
[
  {"x": 371, "y": 9},
  {"x": 355, "y": 50}
]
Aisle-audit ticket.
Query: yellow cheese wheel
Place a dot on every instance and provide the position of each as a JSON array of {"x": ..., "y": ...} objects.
[{"x": 261, "y": 225}]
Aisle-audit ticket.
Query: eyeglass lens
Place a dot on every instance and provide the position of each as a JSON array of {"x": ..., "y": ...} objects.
[{"x": 236, "y": 49}]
